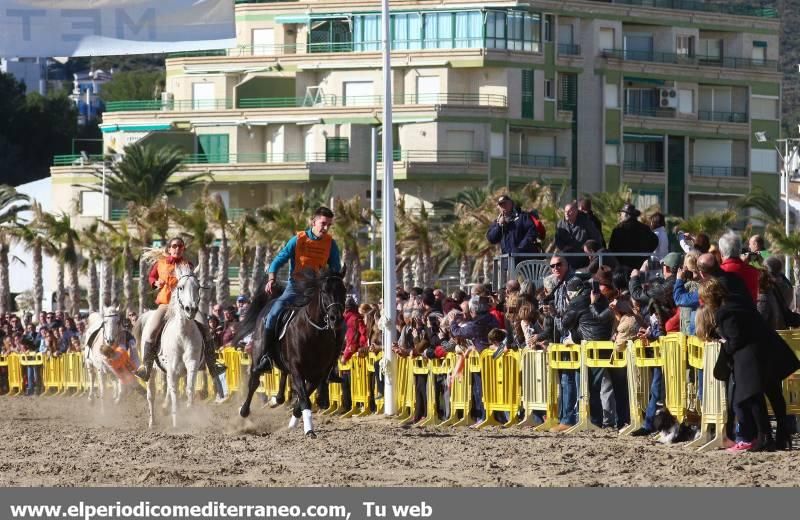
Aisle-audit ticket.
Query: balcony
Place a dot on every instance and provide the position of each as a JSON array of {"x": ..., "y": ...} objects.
[
  {"x": 569, "y": 49},
  {"x": 538, "y": 161},
  {"x": 122, "y": 214},
  {"x": 693, "y": 5},
  {"x": 685, "y": 59},
  {"x": 233, "y": 158},
  {"x": 719, "y": 171},
  {"x": 644, "y": 166},
  {"x": 449, "y": 98},
  {"x": 722, "y": 117},
  {"x": 647, "y": 111},
  {"x": 436, "y": 156}
]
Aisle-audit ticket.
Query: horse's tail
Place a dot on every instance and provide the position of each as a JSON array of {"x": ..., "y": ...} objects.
[{"x": 251, "y": 319}]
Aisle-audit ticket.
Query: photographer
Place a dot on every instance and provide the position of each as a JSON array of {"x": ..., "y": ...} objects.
[{"x": 659, "y": 288}]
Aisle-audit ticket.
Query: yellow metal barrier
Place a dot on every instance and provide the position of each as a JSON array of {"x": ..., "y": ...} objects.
[
  {"x": 437, "y": 367},
  {"x": 15, "y": 382},
  {"x": 715, "y": 408},
  {"x": 559, "y": 357},
  {"x": 675, "y": 367},
  {"x": 401, "y": 384},
  {"x": 31, "y": 359},
  {"x": 359, "y": 387},
  {"x": 231, "y": 358},
  {"x": 335, "y": 392},
  {"x": 500, "y": 380},
  {"x": 73, "y": 372},
  {"x": 53, "y": 374},
  {"x": 646, "y": 354},
  {"x": 535, "y": 385},
  {"x": 791, "y": 385},
  {"x": 594, "y": 354},
  {"x": 418, "y": 366},
  {"x": 374, "y": 357},
  {"x": 461, "y": 394}
]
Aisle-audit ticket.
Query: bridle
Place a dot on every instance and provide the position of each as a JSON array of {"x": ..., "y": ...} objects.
[
  {"x": 179, "y": 292},
  {"x": 328, "y": 321},
  {"x": 108, "y": 341}
]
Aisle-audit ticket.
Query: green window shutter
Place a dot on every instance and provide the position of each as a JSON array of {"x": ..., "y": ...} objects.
[
  {"x": 213, "y": 148},
  {"x": 527, "y": 94},
  {"x": 337, "y": 149},
  {"x": 567, "y": 91}
]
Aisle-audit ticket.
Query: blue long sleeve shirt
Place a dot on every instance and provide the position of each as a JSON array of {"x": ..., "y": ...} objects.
[
  {"x": 286, "y": 254},
  {"x": 683, "y": 297}
]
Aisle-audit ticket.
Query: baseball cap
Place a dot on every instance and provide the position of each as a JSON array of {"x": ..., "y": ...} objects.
[
  {"x": 504, "y": 198},
  {"x": 672, "y": 260},
  {"x": 242, "y": 299}
]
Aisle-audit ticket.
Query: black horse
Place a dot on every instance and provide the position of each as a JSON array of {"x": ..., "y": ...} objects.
[{"x": 312, "y": 343}]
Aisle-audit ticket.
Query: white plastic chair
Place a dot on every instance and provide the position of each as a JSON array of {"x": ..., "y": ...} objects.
[{"x": 533, "y": 271}]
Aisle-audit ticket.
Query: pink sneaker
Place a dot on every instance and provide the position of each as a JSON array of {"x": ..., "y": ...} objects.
[{"x": 740, "y": 446}]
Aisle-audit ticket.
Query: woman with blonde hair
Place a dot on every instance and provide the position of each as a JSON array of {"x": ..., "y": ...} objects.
[{"x": 760, "y": 360}]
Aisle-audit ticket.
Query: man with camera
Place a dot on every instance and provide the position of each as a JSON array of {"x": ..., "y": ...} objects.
[{"x": 513, "y": 229}]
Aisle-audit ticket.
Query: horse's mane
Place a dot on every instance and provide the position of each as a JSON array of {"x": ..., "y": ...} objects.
[{"x": 173, "y": 309}]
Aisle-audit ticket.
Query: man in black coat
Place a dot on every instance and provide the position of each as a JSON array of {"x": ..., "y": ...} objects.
[
  {"x": 513, "y": 229},
  {"x": 573, "y": 232},
  {"x": 631, "y": 236}
]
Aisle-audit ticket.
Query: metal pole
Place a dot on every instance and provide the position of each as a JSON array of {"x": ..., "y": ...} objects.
[
  {"x": 373, "y": 193},
  {"x": 787, "y": 259},
  {"x": 388, "y": 245},
  {"x": 103, "y": 265}
]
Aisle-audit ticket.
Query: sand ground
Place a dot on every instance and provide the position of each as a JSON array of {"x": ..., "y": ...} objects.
[{"x": 60, "y": 441}]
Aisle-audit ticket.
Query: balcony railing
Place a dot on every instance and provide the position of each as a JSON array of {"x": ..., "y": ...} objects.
[
  {"x": 74, "y": 159},
  {"x": 647, "y": 111},
  {"x": 448, "y": 98},
  {"x": 685, "y": 59},
  {"x": 179, "y": 105},
  {"x": 232, "y": 158},
  {"x": 644, "y": 166},
  {"x": 539, "y": 161},
  {"x": 718, "y": 171},
  {"x": 693, "y": 5},
  {"x": 722, "y": 117},
  {"x": 444, "y": 156},
  {"x": 569, "y": 49}
]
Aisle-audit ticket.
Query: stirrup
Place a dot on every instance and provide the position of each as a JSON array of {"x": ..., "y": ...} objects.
[
  {"x": 143, "y": 373},
  {"x": 264, "y": 363}
]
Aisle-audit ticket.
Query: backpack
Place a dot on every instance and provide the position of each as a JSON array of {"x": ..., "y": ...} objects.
[{"x": 541, "y": 231}]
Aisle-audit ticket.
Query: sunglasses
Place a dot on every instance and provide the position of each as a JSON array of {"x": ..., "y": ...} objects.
[
  {"x": 556, "y": 266},
  {"x": 176, "y": 246}
]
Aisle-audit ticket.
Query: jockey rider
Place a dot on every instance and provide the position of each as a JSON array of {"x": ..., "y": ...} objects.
[
  {"x": 313, "y": 248},
  {"x": 162, "y": 277}
]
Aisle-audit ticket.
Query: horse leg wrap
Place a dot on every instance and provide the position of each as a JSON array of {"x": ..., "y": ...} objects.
[
  {"x": 307, "y": 426},
  {"x": 292, "y": 422}
]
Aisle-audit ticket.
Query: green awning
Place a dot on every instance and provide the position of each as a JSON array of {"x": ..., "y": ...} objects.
[
  {"x": 650, "y": 81},
  {"x": 612, "y": 141},
  {"x": 757, "y": 43},
  {"x": 292, "y": 18},
  {"x": 643, "y": 138},
  {"x": 136, "y": 128}
]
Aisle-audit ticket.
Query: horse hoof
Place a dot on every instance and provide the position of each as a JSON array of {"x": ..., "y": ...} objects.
[
  {"x": 311, "y": 435},
  {"x": 244, "y": 411}
]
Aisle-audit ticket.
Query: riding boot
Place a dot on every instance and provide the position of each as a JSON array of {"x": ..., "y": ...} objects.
[
  {"x": 264, "y": 362},
  {"x": 783, "y": 436},
  {"x": 148, "y": 357}
]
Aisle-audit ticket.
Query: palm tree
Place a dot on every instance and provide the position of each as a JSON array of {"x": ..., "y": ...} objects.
[
  {"x": 62, "y": 232},
  {"x": 143, "y": 178},
  {"x": 350, "y": 219},
  {"x": 607, "y": 206},
  {"x": 240, "y": 236},
  {"x": 712, "y": 223},
  {"x": 12, "y": 203},
  {"x": 195, "y": 225},
  {"x": 122, "y": 243},
  {"x": 456, "y": 240},
  {"x": 218, "y": 217},
  {"x": 789, "y": 246},
  {"x": 34, "y": 237}
]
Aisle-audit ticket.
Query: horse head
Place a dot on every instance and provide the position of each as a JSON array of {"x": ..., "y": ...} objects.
[
  {"x": 187, "y": 292},
  {"x": 111, "y": 325},
  {"x": 334, "y": 295}
]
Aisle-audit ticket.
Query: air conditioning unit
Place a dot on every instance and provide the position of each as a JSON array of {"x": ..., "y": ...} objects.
[{"x": 668, "y": 98}]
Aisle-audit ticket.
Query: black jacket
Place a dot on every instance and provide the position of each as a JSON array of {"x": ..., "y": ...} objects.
[
  {"x": 760, "y": 356},
  {"x": 586, "y": 321},
  {"x": 631, "y": 236},
  {"x": 516, "y": 236},
  {"x": 571, "y": 237}
]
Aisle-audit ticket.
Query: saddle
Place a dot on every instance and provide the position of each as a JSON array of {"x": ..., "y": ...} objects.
[{"x": 157, "y": 346}]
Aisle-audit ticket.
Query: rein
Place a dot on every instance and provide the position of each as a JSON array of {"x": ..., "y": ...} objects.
[{"x": 327, "y": 322}]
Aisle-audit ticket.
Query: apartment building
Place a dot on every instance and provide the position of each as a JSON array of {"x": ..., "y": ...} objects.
[{"x": 661, "y": 95}]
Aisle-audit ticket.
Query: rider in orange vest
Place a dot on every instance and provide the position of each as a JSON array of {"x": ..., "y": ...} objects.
[
  {"x": 313, "y": 248},
  {"x": 162, "y": 277},
  {"x": 120, "y": 362}
]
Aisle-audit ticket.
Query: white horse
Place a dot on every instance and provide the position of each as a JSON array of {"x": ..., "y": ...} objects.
[
  {"x": 181, "y": 344},
  {"x": 105, "y": 329}
]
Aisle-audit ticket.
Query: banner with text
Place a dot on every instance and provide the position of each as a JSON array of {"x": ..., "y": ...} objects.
[{"x": 30, "y": 28}]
